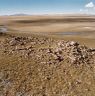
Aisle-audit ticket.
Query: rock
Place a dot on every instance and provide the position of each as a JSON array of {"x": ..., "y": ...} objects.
[
  {"x": 91, "y": 50},
  {"x": 61, "y": 43},
  {"x": 33, "y": 43},
  {"x": 58, "y": 57},
  {"x": 13, "y": 42},
  {"x": 58, "y": 51},
  {"x": 49, "y": 50},
  {"x": 29, "y": 47},
  {"x": 73, "y": 51},
  {"x": 72, "y": 43}
]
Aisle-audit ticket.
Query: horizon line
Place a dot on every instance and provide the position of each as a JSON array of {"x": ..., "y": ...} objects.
[{"x": 23, "y": 14}]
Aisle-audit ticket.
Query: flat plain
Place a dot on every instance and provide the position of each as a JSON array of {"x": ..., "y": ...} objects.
[{"x": 55, "y": 24}]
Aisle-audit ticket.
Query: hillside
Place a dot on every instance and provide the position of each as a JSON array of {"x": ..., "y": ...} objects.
[{"x": 44, "y": 66}]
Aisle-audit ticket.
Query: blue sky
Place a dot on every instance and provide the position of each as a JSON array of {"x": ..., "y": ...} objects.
[{"x": 45, "y": 6}]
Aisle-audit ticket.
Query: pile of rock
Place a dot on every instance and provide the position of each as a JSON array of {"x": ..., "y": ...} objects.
[
  {"x": 76, "y": 53},
  {"x": 17, "y": 45},
  {"x": 58, "y": 51},
  {"x": 71, "y": 51}
]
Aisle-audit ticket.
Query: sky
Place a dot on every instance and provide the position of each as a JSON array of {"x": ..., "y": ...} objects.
[{"x": 9, "y": 7}]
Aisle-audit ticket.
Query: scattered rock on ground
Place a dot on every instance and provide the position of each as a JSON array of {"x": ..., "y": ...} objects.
[{"x": 63, "y": 50}]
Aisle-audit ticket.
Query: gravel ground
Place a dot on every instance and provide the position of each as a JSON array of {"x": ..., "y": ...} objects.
[{"x": 42, "y": 66}]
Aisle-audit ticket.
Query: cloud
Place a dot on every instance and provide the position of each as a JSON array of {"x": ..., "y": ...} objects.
[
  {"x": 89, "y": 8},
  {"x": 90, "y": 5}
]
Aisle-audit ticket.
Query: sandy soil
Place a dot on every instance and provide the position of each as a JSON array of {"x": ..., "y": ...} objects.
[{"x": 53, "y": 24}]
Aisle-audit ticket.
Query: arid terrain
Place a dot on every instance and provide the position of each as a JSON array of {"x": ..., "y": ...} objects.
[
  {"x": 82, "y": 26},
  {"x": 47, "y": 55}
]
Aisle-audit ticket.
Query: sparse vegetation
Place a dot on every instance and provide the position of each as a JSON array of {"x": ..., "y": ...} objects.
[{"x": 39, "y": 64}]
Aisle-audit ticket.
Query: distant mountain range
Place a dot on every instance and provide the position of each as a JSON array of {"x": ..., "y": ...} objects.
[
  {"x": 61, "y": 14},
  {"x": 20, "y": 14}
]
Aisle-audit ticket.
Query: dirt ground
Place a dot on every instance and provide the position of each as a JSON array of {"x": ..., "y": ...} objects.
[
  {"x": 52, "y": 24},
  {"x": 37, "y": 61}
]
